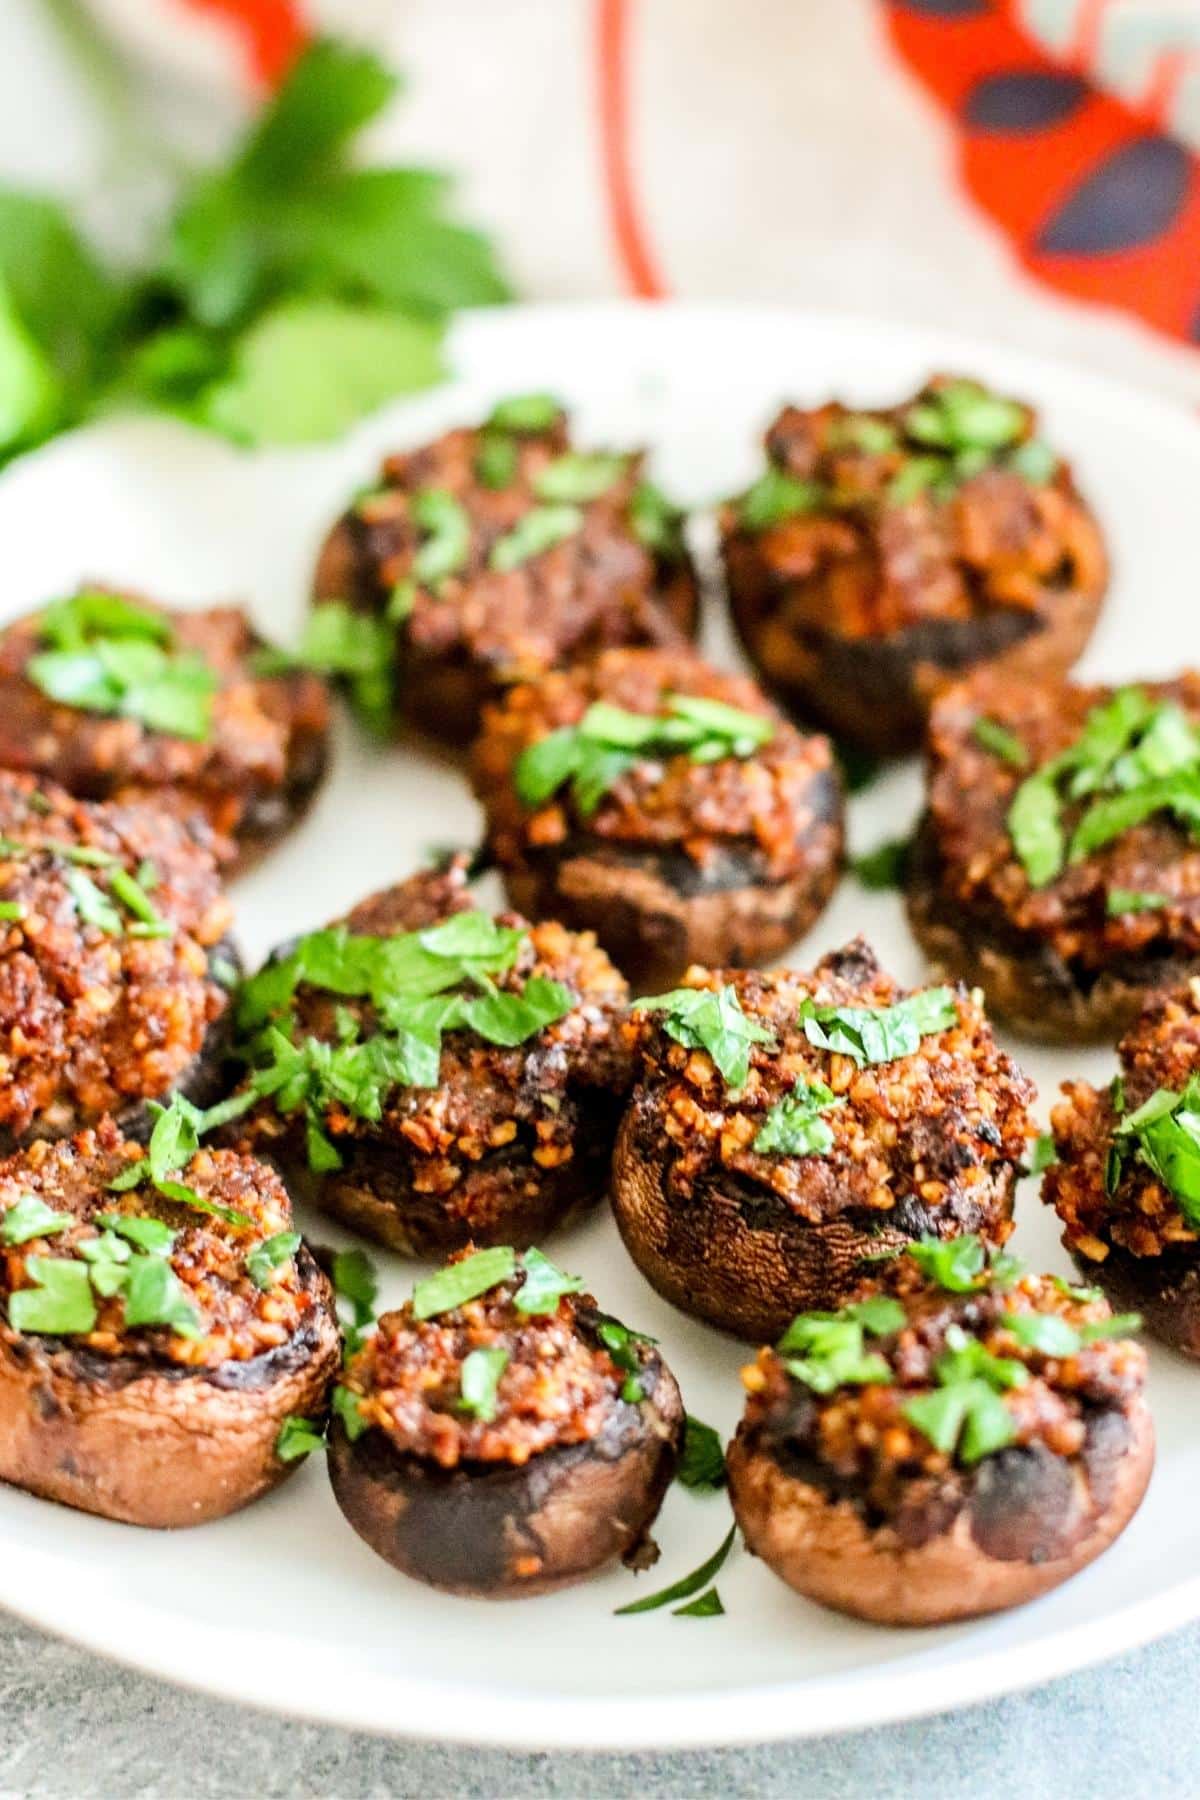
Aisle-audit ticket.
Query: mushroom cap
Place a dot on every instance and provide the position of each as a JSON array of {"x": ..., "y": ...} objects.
[
  {"x": 158, "y": 1443},
  {"x": 1023, "y": 1521}
]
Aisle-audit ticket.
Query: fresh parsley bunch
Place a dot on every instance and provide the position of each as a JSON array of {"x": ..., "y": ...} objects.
[{"x": 287, "y": 292}]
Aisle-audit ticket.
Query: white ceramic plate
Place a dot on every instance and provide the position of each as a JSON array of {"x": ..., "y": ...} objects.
[{"x": 282, "y": 1605}]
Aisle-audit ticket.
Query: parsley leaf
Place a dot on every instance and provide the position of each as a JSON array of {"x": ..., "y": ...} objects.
[
  {"x": 579, "y": 476},
  {"x": 656, "y": 523},
  {"x": 689, "y": 1585},
  {"x": 622, "y": 1342},
  {"x": 702, "y": 1461},
  {"x": 544, "y": 1285},
  {"x": 352, "y": 647},
  {"x": 106, "y": 654},
  {"x": 776, "y": 497},
  {"x": 346, "y": 1405},
  {"x": 879, "y": 1034},
  {"x": 794, "y": 1126},
  {"x": 1002, "y": 742},
  {"x": 298, "y": 1437},
  {"x": 1133, "y": 900},
  {"x": 271, "y": 1254},
  {"x": 526, "y": 414},
  {"x": 713, "y": 1021},
  {"x": 827, "y": 1351},
  {"x": 535, "y": 532},
  {"x": 462, "y": 1281},
  {"x": 962, "y": 1265},
  {"x": 884, "y": 867},
  {"x": 1164, "y": 1134},
  {"x": 481, "y": 1372},
  {"x": 1045, "y": 1155},
  {"x": 30, "y": 1218},
  {"x": 60, "y": 1300}
]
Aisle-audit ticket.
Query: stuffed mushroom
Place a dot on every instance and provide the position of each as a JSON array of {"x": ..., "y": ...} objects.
[
  {"x": 787, "y": 1128},
  {"x": 885, "y": 552},
  {"x": 162, "y": 1322},
  {"x": 115, "y": 962},
  {"x": 490, "y": 556},
  {"x": 1057, "y": 862},
  {"x": 664, "y": 805},
  {"x": 1126, "y": 1183},
  {"x": 500, "y": 1436},
  {"x": 114, "y": 697},
  {"x": 959, "y": 1439},
  {"x": 431, "y": 1075}
]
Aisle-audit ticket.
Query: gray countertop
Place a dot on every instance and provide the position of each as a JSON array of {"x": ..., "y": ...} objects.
[{"x": 76, "y": 1726}]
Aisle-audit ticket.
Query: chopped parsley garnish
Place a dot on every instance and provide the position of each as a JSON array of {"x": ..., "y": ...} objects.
[
  {"x": 544, "y": 1285},
  {"x": 496, "y": 460},
  {"x": 656, "y": 523},
  {"x": 879, "y": 1034},
  {"x": 174, "y": 1140},
  {"x": 31, "y": 1218},
  {"x": 884, "y": 867},
  {"x": 92, "y": 904},
  {"x": 462, "y": 1281},
  {"x": 154, "y": 1295},
  {"x": 356, "y": 1290},
  {"x": 1045, "y": 1155},
  {"x": 794, "y": 1126},
  {"x": 298, "y": 1437},
  {"x": 105, "y": 654},
  {"x": 420, "y": 984},
  {"x": 346, "y": 1406},
  {"x": 447, "y": 536},
  {"x": 11, "y": 910},
  {"x": 525, "y": 414},
  {"x": 1052, "y": 1335},
  {"x": 481, "y": 1372},
  {"x": 622, "y": 1345},
  {"x": 535, "y": 532},
  {"x": 963, "y": 415},
  {"x": 150, "y": 1235},
  {"x": 355, "y": 648},
  {"x": 1134, "y": 757},
  {"x": 59, "y": 1302},
  {"x": 705, "y": 1606},
  {"x": 702, "y": 1461},
  {"x": 964, "y": 1415},
  {"x": 579, "y": 476},
  {"x": 711, "y": 1020},
  {"x": 828, "y": 1350},
  {"x": 608, "y": 741},
  {"x": 685, "y": 1588},
  {"x": 776, "y": 497},
  {"x": 270, "y": 1255},
  {"x": 991, "y": 735},
  {"x": 1133, "y": 900},
  {"x": 1164, "y": 1135},
  {"x": 963, "y": 1265}
]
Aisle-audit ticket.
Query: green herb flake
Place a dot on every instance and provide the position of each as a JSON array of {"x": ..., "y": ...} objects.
[
  {"x": 794, "y": 1126},
  {"x": 885, "y": 867},
  {"x": 870, "y": 1035},
  {"x": 712, "y": 1021},
  {"x": 108, "y": 655},
  {"x": 1133, "y": 900},
  {"x": 59, "y": 1303},
  {"x": 31, "y": 1218},
  {"x": 544, "y": 1285},
  {"x": 11, "y": 910},
  {"x": 93, "y": 906},
  {"x": 1045, "y": 1154},
  {"x": 447, "y": 537},
  {"x": 622, "y": 1345},
  {"x": 298, "y": 1437},
  {"x": 579, "y": 476},
  {"x": 685, "y": 1588},
  {"x": 481, "y": 1372},
  {"x": 270, "y": 1255},
  {"x": 959, "y": 1265},
  {"x": 991, "y": 735},
  {"x": 967, "y": 1418},
  {"x": 346, "y": 1405},
  {"x": 496, "y": 461},
  {"x": 134, "y": 898},
  {"x": 1048, "y": 1333},
  {"x": 537, "y": 531},
  {"x": 776, "y": 497},
  {"x": 1164, "y": 1135},
  {"x": 459, "y": 1282},
  {"x": 356, "y": 1281},
  {"x": 656, "y": 523},
  {"x": 154, "y": 1295},
  {"x": 702, "y": 1460},
  {"x": 826, "y": 1351},
  {"x": 525, "y": 414},
  {"x": 705, "y": 1606},
  {"x": 150, "y": 1235}
]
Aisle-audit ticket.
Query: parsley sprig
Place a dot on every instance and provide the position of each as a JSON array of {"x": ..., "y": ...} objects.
[
  {"x": 420, "y": 984},
  {"x": 105, "y": 654},
  {"x": 711, "y": 1020},
  {"x": 287, "y": 291},
  {"x": 608, "y": 741},
  {"x": 1134, "y": 757}
]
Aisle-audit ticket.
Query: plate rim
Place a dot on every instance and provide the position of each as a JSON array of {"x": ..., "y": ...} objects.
[{"x": 286, "y": 1681}]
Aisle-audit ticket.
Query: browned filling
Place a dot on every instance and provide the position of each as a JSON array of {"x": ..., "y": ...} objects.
[
  {"x": 971, "y": 790},
  {"x": 245, "y": 758},
  {"x": 594, "y": 588},
  {"x": 1136, "y": 1212},
  {"x": 859, "y": 1437},
  {"x": 556, "y": 1386},
  {"x": 938, "y": 1129},
  {"x": 235, "y": 1317},
  {"x": 93, "y": 1019},
  {"x": 872, "y": 557},
  {"x": 776, "y": 802}
]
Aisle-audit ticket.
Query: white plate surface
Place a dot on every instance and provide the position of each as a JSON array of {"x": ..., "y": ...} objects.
[{"x": 282, "y": 1605}]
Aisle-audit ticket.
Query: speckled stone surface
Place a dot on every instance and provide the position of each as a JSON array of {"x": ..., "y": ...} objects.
[{"x": 75, "y": 1727}]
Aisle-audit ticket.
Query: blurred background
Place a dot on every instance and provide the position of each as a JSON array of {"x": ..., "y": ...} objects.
[{"x": 1027, "y": 170}]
